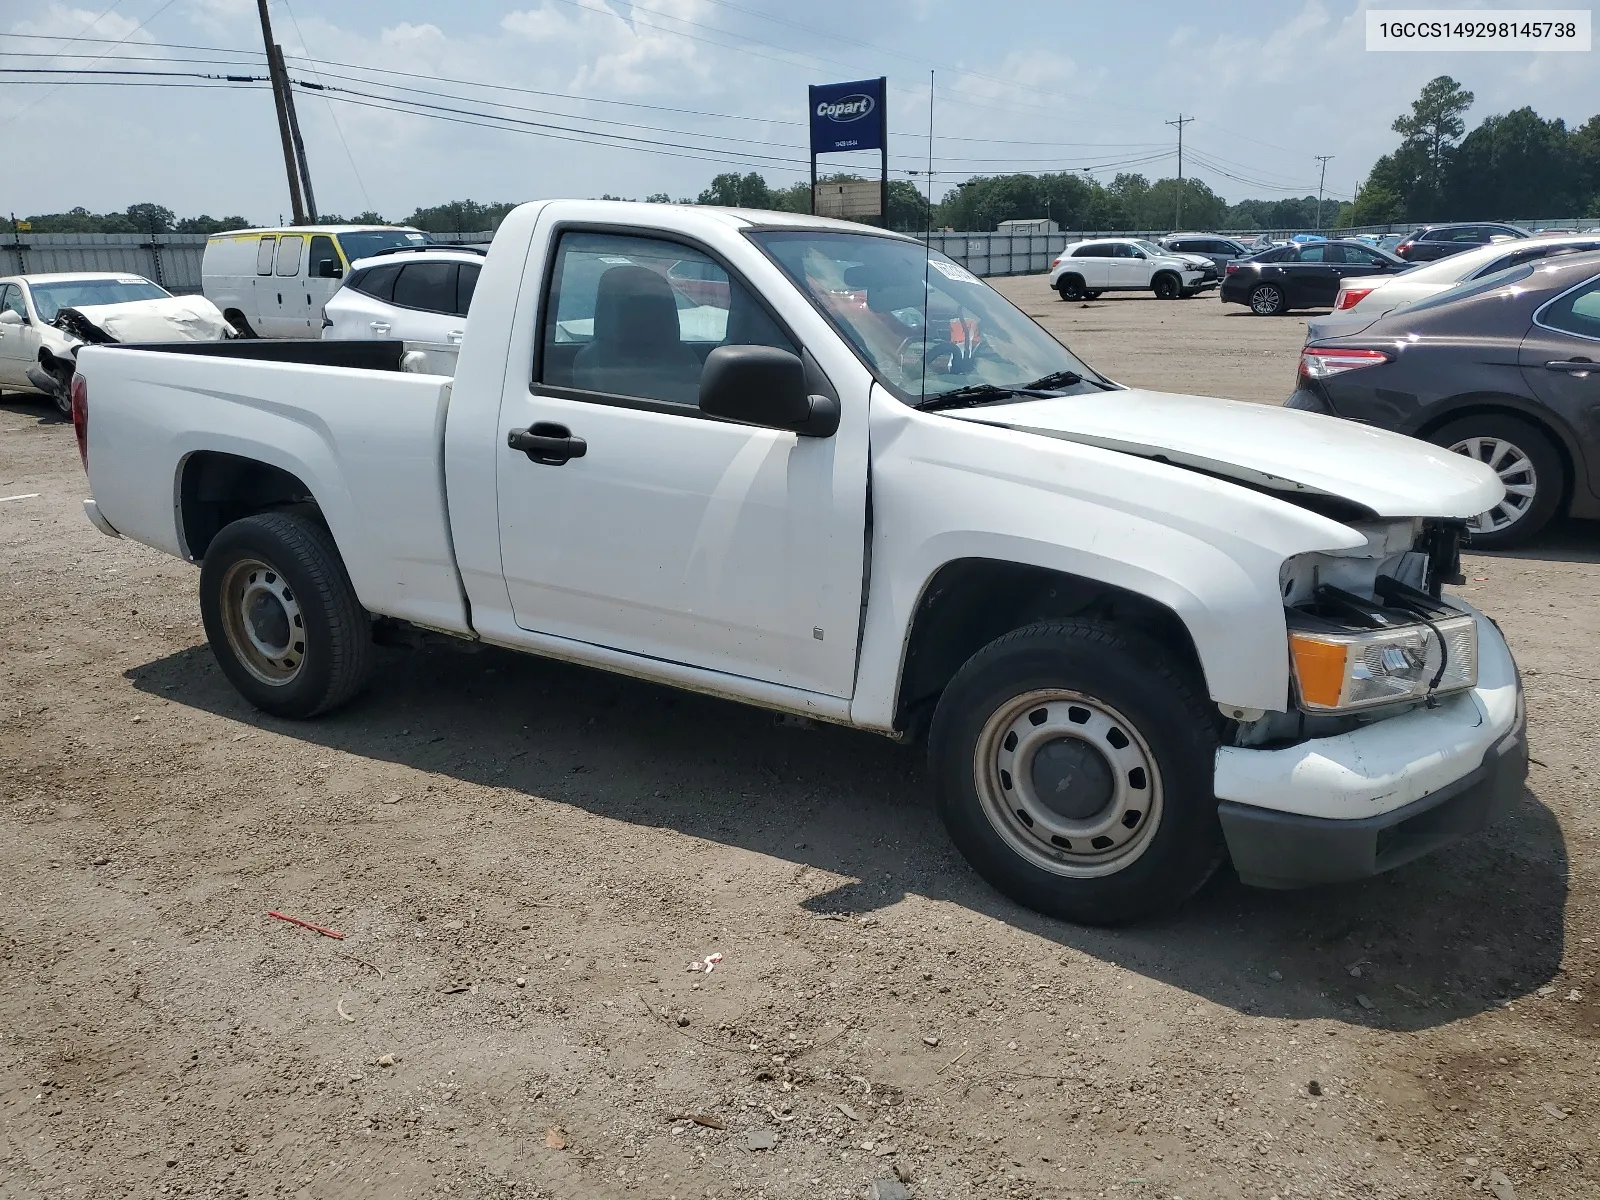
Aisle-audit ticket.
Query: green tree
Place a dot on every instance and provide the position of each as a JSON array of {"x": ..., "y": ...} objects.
[
  {"x": 1514, "y": 166},
  {"x": 732, "y": 190},
  {"x": 460, "y": 216},
  {"x": 1431, "y": 129},
  {"x": 205, "y": 223},
  {"x": 1374, "y": 204}
]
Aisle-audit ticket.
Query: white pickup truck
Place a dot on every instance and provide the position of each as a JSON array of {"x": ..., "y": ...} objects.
[{"x": 805, "y": 465}]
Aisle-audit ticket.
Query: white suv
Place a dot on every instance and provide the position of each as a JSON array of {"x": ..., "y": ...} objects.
[
  {"x": 1085, "y": 269},
  {"x": 411, "y": 295}
]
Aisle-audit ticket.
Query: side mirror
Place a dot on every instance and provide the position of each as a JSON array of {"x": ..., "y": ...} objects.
[
  {"x": 329, "y": 268},
  {"x": 11, "y": 316},
  {"x": 762, "y": 385}
]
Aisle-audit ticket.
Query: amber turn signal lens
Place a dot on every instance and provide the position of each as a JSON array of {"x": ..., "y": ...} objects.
[{"x": 1319, "y": 668}]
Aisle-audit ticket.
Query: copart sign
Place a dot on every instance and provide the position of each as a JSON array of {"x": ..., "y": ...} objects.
[{"x": 847, "y": 116}]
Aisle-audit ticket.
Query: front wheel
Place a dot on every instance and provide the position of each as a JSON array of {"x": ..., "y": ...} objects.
[
  {"x": 1094, "y": 295},
  {"x": 1165, "y": 287},
  {"x": 1073, "y": 765},
  {"x": 282, "y": 617}
]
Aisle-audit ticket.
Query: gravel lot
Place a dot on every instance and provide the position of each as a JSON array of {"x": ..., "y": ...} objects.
[{"x": 524, "y": 857}]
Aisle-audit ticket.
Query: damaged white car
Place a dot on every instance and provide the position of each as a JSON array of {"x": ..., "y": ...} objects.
[{"x": 45, "y": 318}]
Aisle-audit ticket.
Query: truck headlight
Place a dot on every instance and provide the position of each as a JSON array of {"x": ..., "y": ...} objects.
[{"x": 1343, "y": 672}]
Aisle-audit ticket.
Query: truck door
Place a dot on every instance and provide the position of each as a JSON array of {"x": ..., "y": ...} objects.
[
  {"x": 18, "y": 351},
  {"x": 269, "y": 296},
  {"x": 675, "y": 535},
  {"x": 1560, "y": 359}
]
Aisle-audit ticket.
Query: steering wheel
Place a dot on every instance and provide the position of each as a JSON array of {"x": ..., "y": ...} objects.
[{"x": 906, "y": 355}]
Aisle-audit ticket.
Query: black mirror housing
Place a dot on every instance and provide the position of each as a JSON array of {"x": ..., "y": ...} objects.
[
  {"x": 328, "y": 269},
  {"x": 763, "y": 385}
]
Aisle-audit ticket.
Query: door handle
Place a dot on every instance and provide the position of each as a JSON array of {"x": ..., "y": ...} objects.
[
  {"x": 547, "y": 443},
  {"x": 455, "y": 337},
  {"x": 1573, "y": 366},
  {"x": 381, "y": 328}
]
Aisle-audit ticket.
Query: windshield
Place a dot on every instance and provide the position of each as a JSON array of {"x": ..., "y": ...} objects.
[
  {"x": 871, "y": 288},
  {"x": 50, "y": 298},
  {"x": 369, "y": 242},
  {"x": 1152, "y": 248}
]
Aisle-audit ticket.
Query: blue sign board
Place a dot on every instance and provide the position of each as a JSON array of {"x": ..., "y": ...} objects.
[{"x": 847, "y": 116}]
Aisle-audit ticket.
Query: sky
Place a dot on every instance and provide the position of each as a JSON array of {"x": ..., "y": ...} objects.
[{"x": 634, "y": 99}]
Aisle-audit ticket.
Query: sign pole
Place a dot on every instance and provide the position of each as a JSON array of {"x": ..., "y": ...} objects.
[{"x": 883, "y": 151}]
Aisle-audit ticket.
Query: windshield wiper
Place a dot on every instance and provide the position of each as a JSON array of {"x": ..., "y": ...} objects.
[
  {"x": 1056, "y": 379},
  {"x": 977, "y": 393}
]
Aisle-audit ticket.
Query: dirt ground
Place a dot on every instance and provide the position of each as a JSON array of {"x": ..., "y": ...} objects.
[{"x": 524, "y": 857}]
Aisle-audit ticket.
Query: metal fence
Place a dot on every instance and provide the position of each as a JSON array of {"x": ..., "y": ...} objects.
[{"x": 173, "y": 259}]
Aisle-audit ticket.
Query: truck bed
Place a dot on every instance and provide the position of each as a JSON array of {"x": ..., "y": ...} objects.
[{"x": 364, "y": 437}]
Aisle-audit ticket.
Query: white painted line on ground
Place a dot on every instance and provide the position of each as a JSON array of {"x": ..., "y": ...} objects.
[{"x": 24, "y": 496}]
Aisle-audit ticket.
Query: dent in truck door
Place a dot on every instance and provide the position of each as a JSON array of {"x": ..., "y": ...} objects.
[{"x": 677, "y": 536}]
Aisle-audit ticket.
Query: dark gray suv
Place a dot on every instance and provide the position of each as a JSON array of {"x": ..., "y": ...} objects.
[{"x": 1220, "y": 250}]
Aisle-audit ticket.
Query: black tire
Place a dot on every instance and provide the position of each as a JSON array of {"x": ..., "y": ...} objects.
[
  {"x": 1124, "y": 680},
  {"x": 1070, "y": 287},
  {"x": 1095, "y": 295},
  {"x": 322, "y": 635},
  {"x": 240, "y": 326},
  {"x": 1530, "y": 447},
  {"x": 1165, "y": 286},
  {"x": 1268, "y": 300}
]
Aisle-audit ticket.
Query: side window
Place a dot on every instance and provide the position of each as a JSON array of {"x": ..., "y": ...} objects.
[
  {"x": 1094, "y": 250},
  {"x": 11, "y": 300},
  {"x": 264, "y": 255},
  {"x": 430, "y": 286},
  {"x": 323, "y": 251},
  {"x": 466, "y": 284},
  {"x": 1578, "y": 312},
  {"x": 634, "y": 316},
  {"x": 1183, "y": 247},
  {"x": 289, "y": 247},
  {"x": 1315, "y": 254},
  {"x": 377, "y": 282}
]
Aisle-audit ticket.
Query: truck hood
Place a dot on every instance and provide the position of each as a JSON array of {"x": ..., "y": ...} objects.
[{"x": 1265, "y": 447}]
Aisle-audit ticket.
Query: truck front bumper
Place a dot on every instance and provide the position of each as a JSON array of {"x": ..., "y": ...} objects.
[{"x": 1347, "y": 807}]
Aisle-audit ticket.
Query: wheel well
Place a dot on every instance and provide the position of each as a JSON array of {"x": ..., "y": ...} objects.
[
  {"x": 217, "y": 489},
  {"x": 1489, "y": 408},
  {"x": 970, "y": 602}
]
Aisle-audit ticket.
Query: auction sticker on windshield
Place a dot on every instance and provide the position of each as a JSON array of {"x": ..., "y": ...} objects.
[
  {"x": 952, "y": 271},
  {"x": 1515, "y": 29}
]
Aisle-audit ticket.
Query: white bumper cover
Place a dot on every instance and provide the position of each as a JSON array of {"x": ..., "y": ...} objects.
[{"x": 1390, "y": 763}]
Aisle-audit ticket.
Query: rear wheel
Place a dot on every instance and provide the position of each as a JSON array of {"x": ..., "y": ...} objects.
[
  {"x": 1165, "y": 286},
  {"x": 1070, "y": 287},
  {"x": 1095, "y": 295},
  {"x": 1529, "y": 465},
  {"x": 1267, "y": 300},
  {"x": 1073, "y": 765},
  {"x": 240, "y": 326},
  {"x": 282, "y": 617}
]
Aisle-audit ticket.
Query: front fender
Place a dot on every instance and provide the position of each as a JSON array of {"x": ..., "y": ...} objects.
[{"x": 1206, "y": 549}]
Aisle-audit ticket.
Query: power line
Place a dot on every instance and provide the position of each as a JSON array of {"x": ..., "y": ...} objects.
[{"x": 1180, "y": 123}]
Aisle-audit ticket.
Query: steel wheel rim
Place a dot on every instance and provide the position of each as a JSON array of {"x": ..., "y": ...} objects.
[
  {"x": 1516, "y": 471},
  {"x": 263, "y": 622},
  {"x": 1007, "y": 773},
  {"x": 1264, "y": 299}
]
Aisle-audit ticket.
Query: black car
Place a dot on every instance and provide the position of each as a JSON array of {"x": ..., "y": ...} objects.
[
  {"x": 1303, "y": 276},
  {"x": 1441, "y": 241},
  {"x": 1505, "y": 369}
]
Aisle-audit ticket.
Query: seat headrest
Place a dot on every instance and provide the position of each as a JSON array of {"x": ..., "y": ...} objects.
[{"x": 635, "y": 305}]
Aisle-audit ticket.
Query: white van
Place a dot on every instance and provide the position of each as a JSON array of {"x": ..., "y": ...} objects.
[{"x": 272, "y": 283}]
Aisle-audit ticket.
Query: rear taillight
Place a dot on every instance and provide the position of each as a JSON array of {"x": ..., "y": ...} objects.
[
  {"x": 80, "y": 416},
  {"x": 1323, "y": 363},
  {"x": 1231, "y": 268},
  {"x": 1404, "y": 249},
  {"x": 1351, "y": 297}
]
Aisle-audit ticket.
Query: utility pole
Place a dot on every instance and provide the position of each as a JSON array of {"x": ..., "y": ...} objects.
[
  {"x": 1321, "y": 179},
  {"x": 294, "y": 130},
  {"x": 1177, "y": 221},
  {"x": 280, "y": 101}
]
